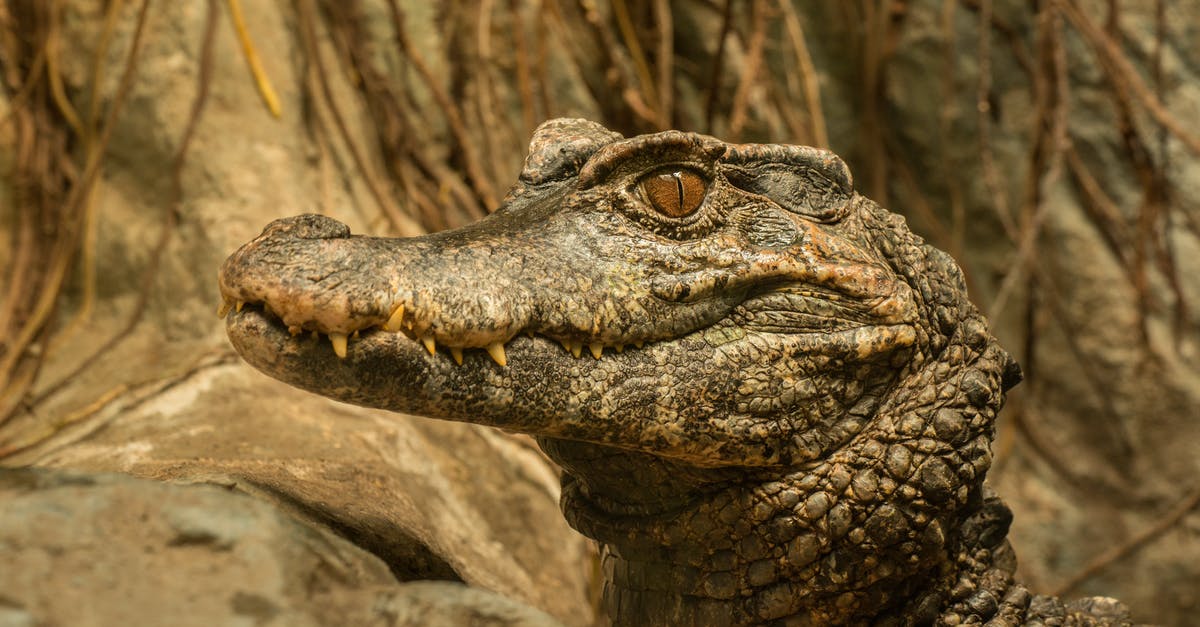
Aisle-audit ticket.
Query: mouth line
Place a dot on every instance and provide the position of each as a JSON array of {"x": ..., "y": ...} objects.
[
  {"x": 343, "y": 343},
  {"x": 397, "y": 325}
]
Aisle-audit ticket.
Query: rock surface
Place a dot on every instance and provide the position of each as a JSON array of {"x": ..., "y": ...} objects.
[
  {"x": 105, "y": 549},
  {"x": 432, "y": 500}
]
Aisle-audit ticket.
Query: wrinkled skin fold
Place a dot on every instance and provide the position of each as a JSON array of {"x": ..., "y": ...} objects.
[{"x": 771, "y": 401}]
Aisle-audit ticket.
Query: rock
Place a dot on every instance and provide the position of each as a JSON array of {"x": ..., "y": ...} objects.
[
  {"x": 433, "y": 500},
  {"x": 106, "y": 549},
  {"x": 88, "y": 549}
]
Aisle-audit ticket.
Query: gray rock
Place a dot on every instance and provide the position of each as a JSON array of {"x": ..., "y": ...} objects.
[
  {"x": 83, "y": 549},
  {"x": 106, "y": 549},
  {"x": 433, "y": 500}
]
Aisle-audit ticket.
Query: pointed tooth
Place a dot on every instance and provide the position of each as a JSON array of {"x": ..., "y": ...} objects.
[
  {"x": 295, "y": 330},
  {"x": 597, "y": 349},
  {"x": 239, "y": 306},
  {"x": 456, "y": 353},
  {"x": 639, "y": 343},
  {"x": 576, "y": 349},
  {"x": 620, "y": 348},
  {"x": 223, "y": 310},
  {"x": 355, "y": 334},
  {"x": 529, "y": 334},
  {"x": 339, "y": 344},
  {"x": 395, "y": 320},
  {"x": 566, "y": 345},
  {"x": 430, "y": 345},
  {"x": 496, "y": 350}
]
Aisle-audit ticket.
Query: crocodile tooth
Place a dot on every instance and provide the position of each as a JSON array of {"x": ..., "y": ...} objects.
[
  {"x": 620, "y": 348},
  {"x": 456, "y": 353},
  {"x": 223, "y": 310},
  {"x": 576, "y": 348},
  {"x": 496, "y": 350},
  {"x": 339, "y": 344},
  {"x": 295, "y": 330},
  {"x": 395, "y": 320},
  {"x": 597, "y": 349},
  {"x": 638, "y": 343},
  {"x": 240, "y": 304},
  {"x": 430, "y": 345},
  {"x": 566, "y": 345}
]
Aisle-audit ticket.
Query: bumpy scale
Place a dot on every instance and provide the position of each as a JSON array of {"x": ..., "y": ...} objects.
[{"x": 791, "y": 424}]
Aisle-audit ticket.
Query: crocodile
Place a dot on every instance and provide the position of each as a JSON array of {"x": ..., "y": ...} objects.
[{"x": 771, "y": 402}]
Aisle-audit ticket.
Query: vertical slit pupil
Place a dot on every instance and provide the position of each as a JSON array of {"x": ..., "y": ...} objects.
[{"x": 675, "y": 192}]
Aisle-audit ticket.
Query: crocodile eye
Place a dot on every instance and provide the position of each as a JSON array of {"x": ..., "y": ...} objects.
[{"x": 675, "y": 193}]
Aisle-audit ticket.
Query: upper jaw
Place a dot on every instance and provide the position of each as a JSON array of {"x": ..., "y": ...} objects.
[
  {"x": 465, "y": 293},
  {"x": 461, "y": 290}
]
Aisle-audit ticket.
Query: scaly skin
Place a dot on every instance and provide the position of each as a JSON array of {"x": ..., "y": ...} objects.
[{"x": 786, "y": 414}]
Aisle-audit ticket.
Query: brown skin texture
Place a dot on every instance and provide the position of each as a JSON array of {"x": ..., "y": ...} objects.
[{"x": 788, "y": 415}]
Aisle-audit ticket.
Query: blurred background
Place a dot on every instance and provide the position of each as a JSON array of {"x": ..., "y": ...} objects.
[{"x": 1051, "y": 146}]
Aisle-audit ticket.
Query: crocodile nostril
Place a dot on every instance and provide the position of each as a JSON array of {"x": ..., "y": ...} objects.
[{"x": 307, "y": 226}]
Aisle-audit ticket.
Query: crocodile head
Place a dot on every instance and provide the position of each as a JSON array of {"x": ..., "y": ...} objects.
[
  {"x": 764, "y": 390},
  {"x": 669, "y": 293}
]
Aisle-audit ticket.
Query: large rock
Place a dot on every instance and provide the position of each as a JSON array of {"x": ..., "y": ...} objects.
[
  {"x": 433, "y": 500},
  {"x": 94, "y": 549}
]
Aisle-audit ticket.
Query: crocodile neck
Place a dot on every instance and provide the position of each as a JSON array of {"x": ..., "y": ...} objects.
[
  {"x": 809, "y": 547},
  {"x": 882, "y": 526}
]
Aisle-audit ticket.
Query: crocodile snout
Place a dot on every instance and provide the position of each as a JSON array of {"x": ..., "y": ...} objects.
[{"x": 312, "y": 274}]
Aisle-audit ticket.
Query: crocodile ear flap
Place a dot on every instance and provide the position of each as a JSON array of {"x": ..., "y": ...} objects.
[
  {"x": 806, "y": 181},
  {"x": 561, "y": 146}
]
